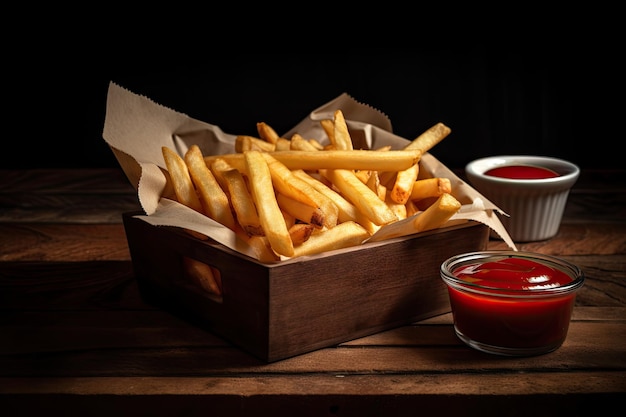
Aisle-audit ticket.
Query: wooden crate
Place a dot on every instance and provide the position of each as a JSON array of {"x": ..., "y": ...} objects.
[{"x": 275, "y": 311}]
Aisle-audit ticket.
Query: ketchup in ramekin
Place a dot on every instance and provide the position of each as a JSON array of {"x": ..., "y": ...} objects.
[
  {"x": 509, "y": 302},
  {"x": 522, "y": 172}
]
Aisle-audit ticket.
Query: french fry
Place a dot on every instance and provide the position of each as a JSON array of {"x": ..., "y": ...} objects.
[
  {"x": 241, "y": 200},
  {"x": 290, "y": 220},
  {"x": 214, "y": 200},
  {"x": 181, "y": 180},
  {"x": 316, "y": 144},
  {"x": 399, "y": 209},
  {"x": 250, "y": 143},
  {"x": 218, "y": 167},
  {"x": 363, "y": 175},
  {"x": 267, "y": 132},
  {"x": 437, "y": 214},
  {"x": 300, "y": 233},
  {"x": 429, "y": 138},
  {"x": 346, "y": 211},
  {"x": 283, "y": 144},
  {"x": 359, "y": 194},
  {"x": 341, "y": 236},
  {"x": 329, "y": 127},
  {"x": 262, "y": 248},
  {"x": 203, "y": 275},
  {"x": 403, "y": 185},
  {"x": 262, "y": 192},
  {"x": 411, "y": 208},
  {"x": 374, "y": 184},
  {"x": 341, "y": 135},
  {"x": 287, "y": 183},
  {"x": 301, "y": 211},
  {"x": 430, "y": 187},
  {"x": 346, "y": 159},
  {"x": 298, "y": 143},
  {"x": 333, "y": 159}
]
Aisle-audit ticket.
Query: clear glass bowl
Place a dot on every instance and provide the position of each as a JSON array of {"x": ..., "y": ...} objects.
[{"x": 511, "y": 319}]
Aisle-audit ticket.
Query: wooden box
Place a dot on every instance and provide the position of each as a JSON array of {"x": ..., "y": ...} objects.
[{"x": 275, "y": 311}]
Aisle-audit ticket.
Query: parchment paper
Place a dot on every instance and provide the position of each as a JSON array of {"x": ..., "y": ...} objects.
[{"x": 136, "y": 128}]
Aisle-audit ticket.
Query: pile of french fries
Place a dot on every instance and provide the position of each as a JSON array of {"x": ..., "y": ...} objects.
[{"x": 290, "y": 197}]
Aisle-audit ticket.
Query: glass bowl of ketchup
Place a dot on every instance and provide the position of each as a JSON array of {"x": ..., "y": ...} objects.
[
  {"x": 511, "y": 303},
  {"x": 531, "y": 190}
]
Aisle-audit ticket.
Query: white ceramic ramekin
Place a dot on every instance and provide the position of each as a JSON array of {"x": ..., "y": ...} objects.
[{"x": 535, "y": 206}]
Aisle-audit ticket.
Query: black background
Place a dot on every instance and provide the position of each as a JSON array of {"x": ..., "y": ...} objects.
[{"x": 557, "y": 99}]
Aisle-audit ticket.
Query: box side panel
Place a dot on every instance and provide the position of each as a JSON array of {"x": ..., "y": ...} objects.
[
  {"x": 239, "y": 316},
  {"x": 278, "y": 311},
  {"x": 315, "y": 304}
]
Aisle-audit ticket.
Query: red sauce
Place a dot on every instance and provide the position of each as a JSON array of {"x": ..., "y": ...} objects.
[
  {"x": 513, "y": 274},
  {"x": 521, "y": 172},
  {"x": 512, "y": 322}
]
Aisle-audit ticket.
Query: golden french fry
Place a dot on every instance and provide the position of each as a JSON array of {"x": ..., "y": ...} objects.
[
  {"x": 403, "y": 185},
  {"x": 364, "y": 175},
  {"x": 300, "y": 233},
  {"x": 328, "y": 207},
  {"x": 262, "y": 192},
  {"x": 283, "y": 144},
  {"x": 287, "y": 183},
  {"x": 346, "y": 211},
  {"x": 437, "y": 214},
  {"x": 374, "y": 184},
  {"x": 298, "y": 143},
  {"x": 316, "y": 144},
  {"x": 241, "y": 200},
  {"x": 333, "y": 159},
  {"x": 359, "y": 194},
  {"x": 329, "y": 127},
  {"x": 218, "y": 167},
  {"x": 267, "y": 133},
  {"x": 411, "y": 208},
  {"x": 301, "y": 211},
  {"x": 262, "y": 248},
  {"x": 429, "y": 138},
  {"x": 341, "y": 236},
  {"x": 399, "y": 209},
  {"x": 181, "y": 180},
  {"x": 290, "y": 220},
  {"x": 203, "y": 275},
  {"x": 214, "y": 200},
  {"x": 250, "y": 143},
  {"x": 341, "y": 135},
  {"x": 430, "y": 187}
]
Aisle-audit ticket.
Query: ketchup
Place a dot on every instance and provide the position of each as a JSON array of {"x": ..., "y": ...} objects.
[
  {"x": 502, "y": 317},
  {"x": 521, "y": 172},
  {"x": 513, "y": 274}
]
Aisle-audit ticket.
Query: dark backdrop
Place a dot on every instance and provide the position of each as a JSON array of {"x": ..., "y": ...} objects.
[{"x": 545, "y": 101}]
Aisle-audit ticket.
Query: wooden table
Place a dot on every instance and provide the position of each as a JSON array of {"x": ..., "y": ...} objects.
[{"x": 77, "y": 339}]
